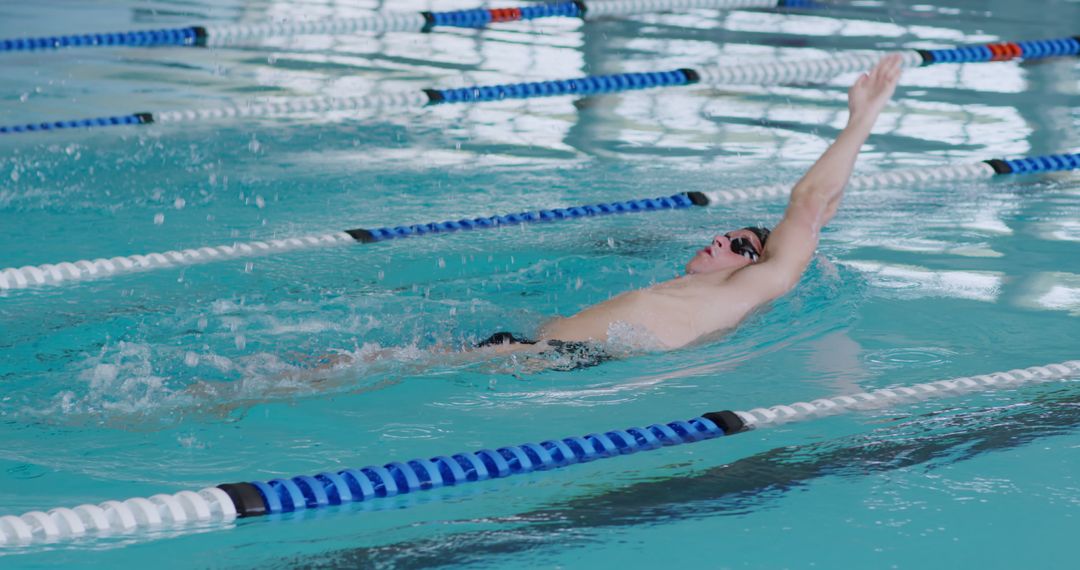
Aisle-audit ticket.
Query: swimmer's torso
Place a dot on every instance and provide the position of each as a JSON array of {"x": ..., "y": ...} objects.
[{"x": 675, "y": 312}]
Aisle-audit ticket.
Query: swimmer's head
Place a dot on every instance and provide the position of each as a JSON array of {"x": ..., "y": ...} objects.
[{"x": 730, "y": 251}]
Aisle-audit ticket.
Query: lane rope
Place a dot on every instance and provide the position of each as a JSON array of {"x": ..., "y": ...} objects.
[
  {"x": 222, "y": 35},
  {"x": 757, "y": 73},
  {"x": 57, "y": 273},
  {"x": 221, "y": 505}
]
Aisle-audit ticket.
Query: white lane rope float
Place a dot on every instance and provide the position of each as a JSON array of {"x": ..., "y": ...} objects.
[
  {"x": 57, "y": 273},
  {"x": 226, "y": 34},
  {"x": 758, "y": 73},
  {"x": 221, "y": 505}
]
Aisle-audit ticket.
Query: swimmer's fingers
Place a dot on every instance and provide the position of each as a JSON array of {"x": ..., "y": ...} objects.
[
  {"x": 883, "y": 78},
  {"x": 872, "y": 91},
  {"x": 888, "y": 69}
]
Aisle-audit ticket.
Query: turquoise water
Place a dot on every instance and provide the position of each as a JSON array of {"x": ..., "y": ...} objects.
[{"x": 178, "y": 379}]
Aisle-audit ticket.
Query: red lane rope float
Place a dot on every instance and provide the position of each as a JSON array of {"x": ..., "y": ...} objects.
[{"x": 505, "y": 14}]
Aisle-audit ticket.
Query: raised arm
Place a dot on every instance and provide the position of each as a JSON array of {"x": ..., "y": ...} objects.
[{"x": 816, "y": 196}]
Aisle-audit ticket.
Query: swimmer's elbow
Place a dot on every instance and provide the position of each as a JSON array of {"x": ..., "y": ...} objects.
[{"x": 812, "y": 205}]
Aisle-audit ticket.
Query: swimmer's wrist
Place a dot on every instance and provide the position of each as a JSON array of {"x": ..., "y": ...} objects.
[
  {"x": 860, "y": 124},
  {"x": 862, "y": 119}
]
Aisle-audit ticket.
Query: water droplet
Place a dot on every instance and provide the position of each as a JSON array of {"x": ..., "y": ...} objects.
[
  {"x": 159, "y": 219},
  {"x": 442, "y": 263},
  {"x": 249, "y": 267},
  {"x": 260, "y": 202},
  {"x": 191, "y": 359},
  {"x": 241, "y": 342},
  {"x": 179, "y": 203}
]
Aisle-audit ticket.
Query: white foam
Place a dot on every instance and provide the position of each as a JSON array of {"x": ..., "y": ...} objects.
[{"x": 626, "y": 337}]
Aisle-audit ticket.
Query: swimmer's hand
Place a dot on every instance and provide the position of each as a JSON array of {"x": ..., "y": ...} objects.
[{"x": 868, "y": 96}]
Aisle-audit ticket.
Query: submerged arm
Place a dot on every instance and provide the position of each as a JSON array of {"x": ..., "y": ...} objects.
[{"x": 816, "y": 196}]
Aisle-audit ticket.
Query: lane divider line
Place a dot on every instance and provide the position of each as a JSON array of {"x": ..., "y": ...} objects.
[
  {"x": 210, "y": 35},
  {"x": 63, "y": 272},
  {"x": 221, "y": 505},
  {"x": 759, "y": 73}
]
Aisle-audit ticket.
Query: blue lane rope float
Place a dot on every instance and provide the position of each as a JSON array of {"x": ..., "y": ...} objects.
[
  {"x": 222, "y": 504},
  {"x": 132, "y": 119},
  {"x": 581, "y": 87},
  {"x": 1004, "y": 51},
  {"x": 187, "y": 36},
  {"x": 220, "y": 35},
  {"x": 57, "y": 273},
  {"x": 402, "y": 477},
  {"x": 760, "y": 73},
  {"x": 677, "y": 201}
]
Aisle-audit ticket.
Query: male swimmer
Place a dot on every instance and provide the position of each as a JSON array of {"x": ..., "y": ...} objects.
[{"x": 741, "y": 269}]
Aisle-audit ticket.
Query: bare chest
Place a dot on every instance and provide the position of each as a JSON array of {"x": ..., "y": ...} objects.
[{"x": 674, "y": 317}]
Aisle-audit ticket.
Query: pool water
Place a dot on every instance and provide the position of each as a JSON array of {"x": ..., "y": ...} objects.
[{"x": 182, "y": 378}]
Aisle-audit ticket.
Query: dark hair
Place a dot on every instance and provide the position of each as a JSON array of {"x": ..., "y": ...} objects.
[{"x": 762, "y": 233}]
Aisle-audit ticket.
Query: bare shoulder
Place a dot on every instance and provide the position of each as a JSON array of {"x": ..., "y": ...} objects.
[{"x": 787, "y": 253}]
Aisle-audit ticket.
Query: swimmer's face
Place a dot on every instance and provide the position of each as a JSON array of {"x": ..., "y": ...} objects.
[{"x": 728, "y": 251}]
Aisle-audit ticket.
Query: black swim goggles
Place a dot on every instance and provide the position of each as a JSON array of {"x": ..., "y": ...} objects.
[{"x": 744, "y": 247}]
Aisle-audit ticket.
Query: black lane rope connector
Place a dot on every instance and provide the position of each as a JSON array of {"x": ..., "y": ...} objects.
[{"x": 246, "y": 498}]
